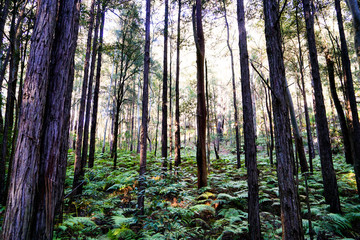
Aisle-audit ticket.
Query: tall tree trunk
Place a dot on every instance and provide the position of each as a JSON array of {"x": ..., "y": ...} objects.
[
  {"x": 290, "y": 207},
  {"x": 249, "y": 130},
  {"x": 201, "y": 105},
  {"x": 96, "y": 91},
  {"x": 78, "y": 165},
  {"x": 164, "y": 133},
  {"x": 84, "y": 155},
  {"x": 37, "y": 179},
  {"x": 329, "y": 179},
  {"x": 237, "y": 134},
  {"x": 303, "y": 92},
  {"x": 350, "y": 93},
  {"x": 339, "y": 110},
  {"x": 208, "y": 123},
  {"x": 144, "y": 125},
  {"x": 157, "y": 122},
  {"x": 177, "y": 100}
]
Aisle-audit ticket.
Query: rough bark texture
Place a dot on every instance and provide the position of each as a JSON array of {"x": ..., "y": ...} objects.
[
  {"x": 56, "y": 126},
  {"x": 164, "y": 133},
  {"x": 25, "y": 176},
  {"x": 201, "y": 104},
  {"x": 350, "y": 93},
  {"x": 96, "y": 93},
  {"x": 145, "y": 101},
  {"x": 249, "y": 132},
  {"x": 177, "y": 102},
  {"x": 328, "y": 173},
  {"x": 339, "y": 109},
  {"x": 290, "y": 207},
  {"x": 237, "y": 133},
  {"x": 80, "y": 126}
]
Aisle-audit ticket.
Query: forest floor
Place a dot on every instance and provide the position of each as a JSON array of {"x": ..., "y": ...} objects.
[{"x": 176, "y": 209}]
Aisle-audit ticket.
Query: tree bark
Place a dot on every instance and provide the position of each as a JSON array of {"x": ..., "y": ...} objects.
[
  {"x": 35, "y": 178},
  {"x": 78, "y": 165},
  {"x": 350, "y": 93},
  {"x": 177, "y": 99},
  {"x": 290, "y": 207},
  {"x": 237, "y": 134},
  {"x": 164, "y": 132},
  {"x": 201, "y": 104},
  {"x": 249, "y": 130},
  {"x": 355, "y": 12},
  {"x": 144, "y": 126},
  {"x": 329, "y": 179},
  {"x": 96, "y": 91}
]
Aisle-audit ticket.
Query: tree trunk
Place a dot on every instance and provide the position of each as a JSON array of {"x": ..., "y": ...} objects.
[
  {"x": 96, "y": 91},
  {"x": 290, "y": 207},
  {"x": 249, "y": 130},
  {"x": 201, "y": 105},
  {"x": 177, "y": 100},
  {"x": 144, "y": 126},
  {"x": 350, "y": 93},
  {"x": 84, "y": 155},
  {"x": 339, "y": 110},
  {"x": 303, "y": 92},
  {"x": 164, "y": 133},
  {"x": 237, "y": 134},
  {"x": 38, "y": 176},
  {"x": 328, "y": 173},
  {"x": 78, "y": 165}
]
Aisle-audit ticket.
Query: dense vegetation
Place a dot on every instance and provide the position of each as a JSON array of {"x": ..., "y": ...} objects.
[{"x": 180, "y": 119}]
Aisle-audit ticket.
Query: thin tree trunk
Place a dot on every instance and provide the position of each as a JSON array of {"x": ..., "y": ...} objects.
[
  {"x": 339, "y": 110},
  {"x": 290, "y": 207},
  {"x": 329, "y": 179},
  {"x": 96, "y": 91},
  {"x": 144, "y": 126},
  {"x": 177, "y": 99},
  {"x": 201, "y": 105},
  {"x": 78, "y": 165},
  {"x": 237, "y": 134},
  {"x": 164, "y": 132},
  {"x": 350, "y": 93},
  {"x": 207, "y": 115},
  {"x": 303, "y": 91},
  {"x": 249, "y": 130},
  {"x": 84, "y": 155}
]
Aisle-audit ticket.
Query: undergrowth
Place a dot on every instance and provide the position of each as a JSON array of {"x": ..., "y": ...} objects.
[{"x": 176, "y": 209}]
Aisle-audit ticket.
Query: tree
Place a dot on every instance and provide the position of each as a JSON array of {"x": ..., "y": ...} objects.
[
  {"x": 177, "y": 102},
  {"x": 290, "y": 207},
  {"x": 79, "y": 165},
  {"x": 329, "y": 179},
  {"x": 164, "y": 132},
  {"x": 39, "y": 164},
  {"x": 237, "y": 133},
  {"x": 350, "y": 93},
  {"x": 96, "y": 91},
  {"x": 201, "y": 104},
  {"x": 249, "y": 130},
  {"x": 145, "y": 101},
  {"x": 355, "y": 12}
]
